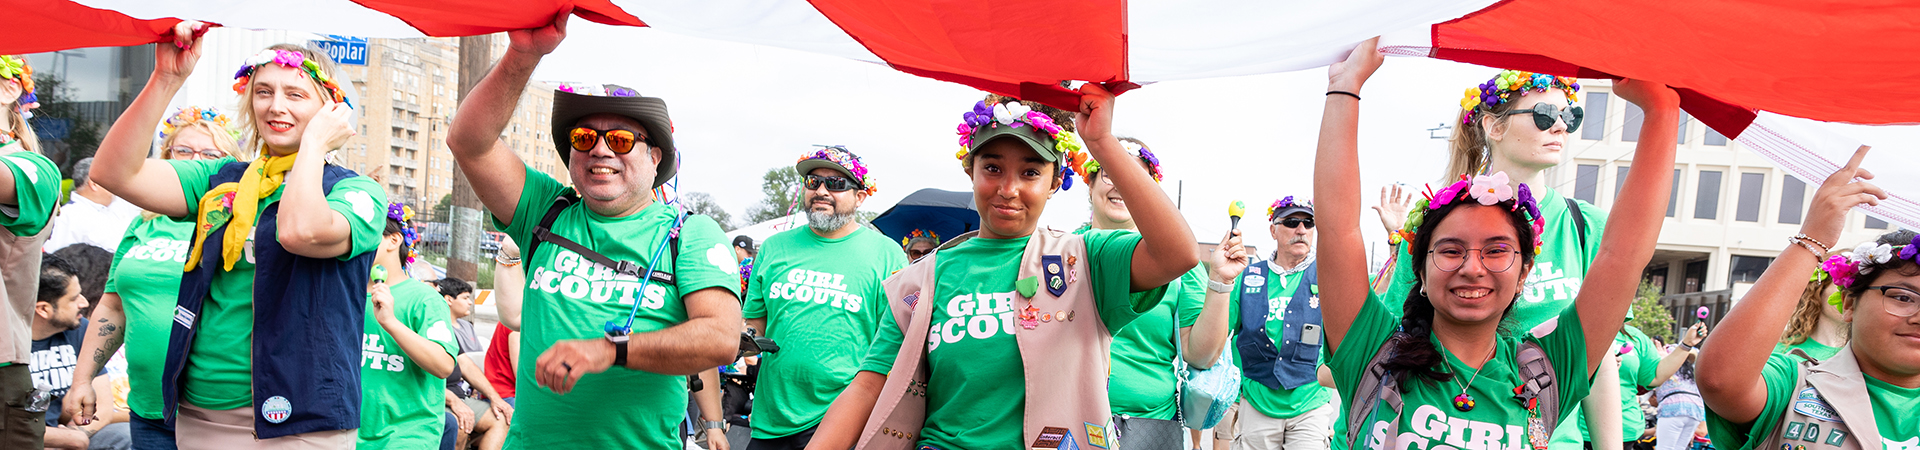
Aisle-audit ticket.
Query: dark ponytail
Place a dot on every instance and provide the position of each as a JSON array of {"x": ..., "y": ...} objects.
[{"x": 1415, "y": 354}]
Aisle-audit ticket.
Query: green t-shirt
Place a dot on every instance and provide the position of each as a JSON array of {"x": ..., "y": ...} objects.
[
  {"x": 219, "y": 371},
  {"x": 1819, "y": 351},
  {"x": 570, "y": 297},
  {"x": 1276, "y": 403},
  {"x": 823, "y": 300},
  {"x": 1558, "y": 269},
  {"x": 975, "y": 396},
  {"x": 1428, "y": 418},
  {"x": 1142, "y": 383},
  {"x": 401, "y": 404},
  {"x": 36, "y": 187},
  {"x": 1893, "y": 408},
  {"x": 1638, "y": 368},
  {"x": 146, "y": 273}
]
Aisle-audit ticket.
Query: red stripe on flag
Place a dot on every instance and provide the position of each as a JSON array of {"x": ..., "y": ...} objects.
[
  {"x": 1020, "y": 49},
  {"x": 476, "y": 17},
  {"x": 51, "y": 25}
]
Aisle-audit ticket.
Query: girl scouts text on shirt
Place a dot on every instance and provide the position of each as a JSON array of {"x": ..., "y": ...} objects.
[
  {"x": 569, "y": 275},
  {"x": 977, "y": 316},
  {"x": 817, "y": 287},
  {"x": 1432, "y": 429}
]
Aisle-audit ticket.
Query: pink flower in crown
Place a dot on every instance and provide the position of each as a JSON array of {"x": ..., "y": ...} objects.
[
  {"x": 1447, "y": 194},
  {"x": 1841, "y": 269},
  {"x": 1044, "y": 123},
  {"x": 1491, "y": 189},
  {"x": 288, "y": 58}
]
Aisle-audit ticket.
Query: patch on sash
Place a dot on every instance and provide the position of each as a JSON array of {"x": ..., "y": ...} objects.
[
  {"x": 1052, "y": 438},
  {"x": 1096, "y": 435},
  {"x": 183, "y": 317},
  {"x": 1812, "y": 434},
  {"x": 276, "y": 409},
  {"x": 911, "y": 300},
  {"x": 1793, "y": 430},
  {"x": 1835, "y": 437},
  {"x": 1809, "y": 403}
]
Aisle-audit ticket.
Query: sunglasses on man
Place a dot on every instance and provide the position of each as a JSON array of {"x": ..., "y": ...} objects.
[
  {"x": 619, "y": 141},
  {"x": 1296, "y": 222},
  {"x": 833, "y": 184},
  {"x": 1544, "y": 115}
]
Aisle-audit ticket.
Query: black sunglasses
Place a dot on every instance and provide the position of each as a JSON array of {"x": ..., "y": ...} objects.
[
  {"x": 834, "y": 184},
  {"x": 1544, "y": 115},
  {"x": 1292, "y": 222}
]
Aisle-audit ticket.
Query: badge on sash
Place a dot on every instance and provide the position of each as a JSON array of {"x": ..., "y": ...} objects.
[
  {"x": 1052, "y": 438},
  {"x": 1056, "y": 274},
  {"x": 1835, "y": 437},
  {"x": 1793, "y": 430},
  {"x": 1096, "y": 435},
  {"x": 1809, "y": 403}
]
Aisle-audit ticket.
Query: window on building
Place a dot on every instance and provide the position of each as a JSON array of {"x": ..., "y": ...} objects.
[
  {"x": 1751, "y": 185},
  {"x": 1631, "y": 133},
  {"x": 1877, "y": 224},
  {"x": 1706, "y": 200},
  {"x": 1684, "y": 118},
  {"x": 1793, "y": 193},
  {"x": 1619, "y": 180},
  {"x": 1747, "y": 269},
  {"x": 1594, "y": 126},
  {"x": 1657, "y": 275},
  {"x": 1673, "y": 195},
  {"x": 1696, "y": 276},
  {"x": 1714, "y": 138},
  {"x": 1586, "y": 183}
]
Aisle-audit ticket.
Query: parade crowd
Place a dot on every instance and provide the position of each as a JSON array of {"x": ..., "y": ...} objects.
[{"x": 237, "y": 291}]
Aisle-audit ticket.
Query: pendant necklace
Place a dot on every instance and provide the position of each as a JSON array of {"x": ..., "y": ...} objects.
[{"x": 1464, "y": 401}]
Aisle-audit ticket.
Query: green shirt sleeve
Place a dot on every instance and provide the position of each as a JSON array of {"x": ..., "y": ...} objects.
[
  {"x": 886, "y": 346},
  {"x": 706, "y": 261},
  {"x": 36, "y": 189},
  {"x": 1110, "y": 254},
  {"x": 431, "y": 317},
  {"x": 536, "y": 194},
  {"x": 127, "y": 241},
  {"x": 1370, "y": 329},
  {"x": 1780, "y": 375},
  {"x": 1644, "y": 349},
  {"x": 364, "y": 204},
  {"x": 1566, "y": 347},
  {"x": 1192, "y": 297},
  {"x": 196, "y": 178}
]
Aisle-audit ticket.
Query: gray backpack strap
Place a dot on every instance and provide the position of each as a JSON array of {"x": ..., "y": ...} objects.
[
  {"x": 1537, "y": 382},
  {"x": 1377, "y": 385}
]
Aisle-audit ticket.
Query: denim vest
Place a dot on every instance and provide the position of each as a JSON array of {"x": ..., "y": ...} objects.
[
  {"x": 308, "y": 319},
  {"x": 1296, "y": 360}
]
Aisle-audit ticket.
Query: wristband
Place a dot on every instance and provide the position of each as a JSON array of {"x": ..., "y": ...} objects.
[
  {"x": 1810, "y": 244},
  {"x": 1349, "y": 94},
  {"x": 714, "y": 424},
  {"x": 619, "y": 340},
  {"x": 1219, "y": 287}
]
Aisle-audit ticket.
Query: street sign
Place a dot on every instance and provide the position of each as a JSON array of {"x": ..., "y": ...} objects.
[{"x": 346, "y": 50}]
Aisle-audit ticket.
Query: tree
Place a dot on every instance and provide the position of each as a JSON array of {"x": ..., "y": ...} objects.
[
  {"x": 701, "y": 203},
  {"x": 442, "y": 211},
  {"x": 1649, "y": 316},
  {"x": 781, "y": 185},
  {"x": 66, "y": 134}
]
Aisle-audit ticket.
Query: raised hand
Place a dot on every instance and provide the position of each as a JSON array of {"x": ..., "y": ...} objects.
[
  {"x": 1094, "y": 120},
  {"x": 1841, "y": 192},
  {"x": 1229, "y": 258},
  {"x": 1395, "y": 201},
  {"x": 175, "y": 60},
  {"x": 540, "y": 41},
  {"x": 1360, "y": 64},
  {"x": 1647, "y": 94}
]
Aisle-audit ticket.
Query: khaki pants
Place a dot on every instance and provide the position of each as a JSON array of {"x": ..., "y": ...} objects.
[
  {"x": 1309, "y": 431},
  {"x": 196, "y": 428},
  {"x": 19, "y": 428}
]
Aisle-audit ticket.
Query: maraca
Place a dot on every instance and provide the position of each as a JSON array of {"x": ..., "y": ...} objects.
[
  {"x": 1702, "y": 313},
  {"x": 1236, "y": 210}
]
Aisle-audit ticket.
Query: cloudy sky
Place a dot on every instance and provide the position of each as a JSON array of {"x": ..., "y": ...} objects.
[{"x": 740, "y": 109}]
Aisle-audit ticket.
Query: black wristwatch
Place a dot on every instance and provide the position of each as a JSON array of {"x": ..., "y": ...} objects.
[{"x": 619, "y": 340}]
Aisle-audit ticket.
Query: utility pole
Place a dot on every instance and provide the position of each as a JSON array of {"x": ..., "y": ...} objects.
[{"x": 463, "y": 249}]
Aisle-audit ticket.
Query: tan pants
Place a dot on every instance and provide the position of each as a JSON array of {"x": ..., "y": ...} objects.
[
  {"x": 196, "y": 428},
  {"x": 1308, "y": 431}
]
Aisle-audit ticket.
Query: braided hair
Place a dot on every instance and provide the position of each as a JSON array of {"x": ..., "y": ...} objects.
[{"x": 1416, "y": 354}]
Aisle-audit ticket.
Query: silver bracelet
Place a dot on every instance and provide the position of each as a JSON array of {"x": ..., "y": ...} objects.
[{"x": 1810, "y": 244}]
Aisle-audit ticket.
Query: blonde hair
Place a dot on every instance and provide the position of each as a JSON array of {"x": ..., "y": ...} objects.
[
  {"x": 222, "y": 139},
  {"x": 17, "y": 122},
  {"x": 1467, "y": 150},
  {"x": 249, "y": 130},
  {"x": 1807, "y": 314}
]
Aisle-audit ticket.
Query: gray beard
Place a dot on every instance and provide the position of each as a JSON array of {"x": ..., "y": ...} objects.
[{"x": 828, "y": 222}]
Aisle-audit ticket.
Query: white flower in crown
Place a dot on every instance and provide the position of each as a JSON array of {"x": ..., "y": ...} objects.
[
  {"x": 1491, "y": 189},
  {"x": 1132, "y": 148},
  {"x": 265, "y": 56},
  {"x": 1009, "y": 112},
  {"x": 1876, "y": 253}
]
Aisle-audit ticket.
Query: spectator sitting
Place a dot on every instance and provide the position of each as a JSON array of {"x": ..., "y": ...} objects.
[
  {"x": 91, "y": 216},
  {"x": 490, "y": 429},
  {"x": 57, "y": 331},
  {"x": 92, "y": 266}
]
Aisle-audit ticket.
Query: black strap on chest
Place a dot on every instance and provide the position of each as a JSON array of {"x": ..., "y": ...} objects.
[
  {"x": 544, "y": 233},
  {"x": 1579, "y": 221}
]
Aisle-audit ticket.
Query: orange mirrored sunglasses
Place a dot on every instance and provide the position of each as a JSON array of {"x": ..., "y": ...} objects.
[{"x": 619, "y": 141}]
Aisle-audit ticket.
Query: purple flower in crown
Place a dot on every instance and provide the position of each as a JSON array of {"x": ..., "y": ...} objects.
[
  {"x": 979, "y": 116},
  {"x": 1911, "y": 250},
  {"x": 1149, "y": 157},
  {"x": 244, "y": 71},
  {"x": 622, "y": 92}
]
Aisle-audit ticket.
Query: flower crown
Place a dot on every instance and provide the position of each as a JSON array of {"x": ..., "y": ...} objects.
[
  {"x": 183, "y": 117},
  {"x": 292, "y": 60},
  {"x": 1486, "y": 189},
  {"x": 1016, "y": 114},
  {"x": 15, "y": 67},
  {"x": 1510, "y": 84},
  {"x": 1285, "y": 203},
  {"x": 1847, "y": 268},
  {"x": 404, "y": 214},
  {"x": 846, "y": 159},
  {"x": 1091, "y": 167},
  {"x": 916, "y": 234}
]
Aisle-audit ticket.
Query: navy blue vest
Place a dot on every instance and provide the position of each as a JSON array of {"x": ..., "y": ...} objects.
[
  {"x": 308, "y": 319},
  {"x": 1296, "y": 361}
]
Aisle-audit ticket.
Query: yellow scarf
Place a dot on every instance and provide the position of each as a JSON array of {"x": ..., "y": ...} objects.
[{"x": 262, "y": 179}]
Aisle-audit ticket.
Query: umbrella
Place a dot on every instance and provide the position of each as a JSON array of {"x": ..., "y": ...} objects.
[{"x": 946, "y": 213}]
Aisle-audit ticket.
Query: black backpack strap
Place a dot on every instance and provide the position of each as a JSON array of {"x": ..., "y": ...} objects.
[
  {"x": 1377, "y": 385},
  {"x": 1579, "y": 221},
  {"x": 543, "y": 233}
]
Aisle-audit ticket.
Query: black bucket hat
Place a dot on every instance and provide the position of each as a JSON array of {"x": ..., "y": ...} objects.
[{"x": 573, "y": 102}]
